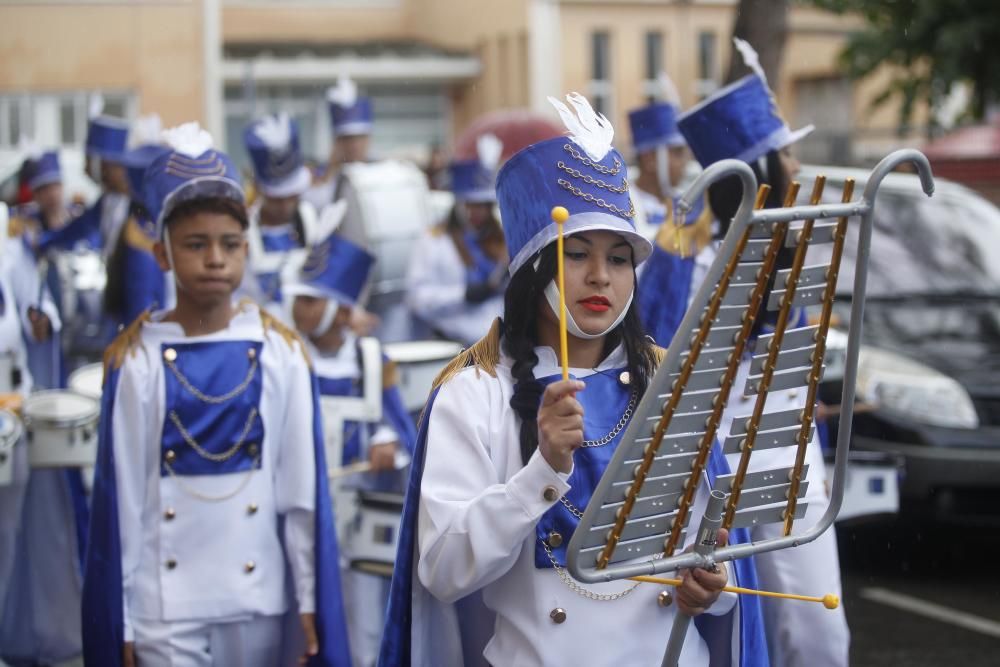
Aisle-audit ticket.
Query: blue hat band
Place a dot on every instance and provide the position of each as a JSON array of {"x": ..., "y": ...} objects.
[
  {"x": 338, "y": 268},
  {"x": 204, "y": 187}
]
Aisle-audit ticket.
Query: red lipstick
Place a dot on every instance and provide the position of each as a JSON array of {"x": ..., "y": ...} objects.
[{"x": 595, "y": 303}]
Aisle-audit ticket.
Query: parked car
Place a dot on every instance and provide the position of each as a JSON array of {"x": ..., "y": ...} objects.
[{"x": 929, "y": 370}]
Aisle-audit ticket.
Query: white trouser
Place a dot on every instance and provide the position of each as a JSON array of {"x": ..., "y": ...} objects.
[
  {"x": 365, "y": 599},
  {"x": 255, "y": 642}
]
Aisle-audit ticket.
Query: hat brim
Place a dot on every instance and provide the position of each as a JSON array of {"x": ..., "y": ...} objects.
[
  {"x": 303, "y": 289},
  {"x": 292, "y": 186},
  {"x": 352, "y": 129},
  {"x": 578, "y": 224},
  {"x": 199, "y": 188}
]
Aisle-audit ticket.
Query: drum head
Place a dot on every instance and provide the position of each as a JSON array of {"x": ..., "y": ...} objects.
[
  {"x": 60, "y": 407},
  {"x": 421, "y": 350},
  {"x": 88, "y": 380},
  {"x": 10, "y": 428}
]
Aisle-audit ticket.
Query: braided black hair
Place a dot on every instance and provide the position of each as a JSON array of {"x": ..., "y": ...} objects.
[{"x": 520, "y": 337}]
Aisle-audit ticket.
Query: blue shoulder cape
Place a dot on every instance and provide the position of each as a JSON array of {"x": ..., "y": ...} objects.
[{"x": 103, "y": 626}]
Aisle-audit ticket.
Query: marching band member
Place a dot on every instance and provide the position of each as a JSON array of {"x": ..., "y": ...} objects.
[
  {"x": 351, "y": 117},
  {"x": 281, "y": 223},
  {"x": 48, "y": 209},
  {"x": 509, "y": 453},
  {"x": 742, "y": 121},
  {"x": 458, "y": 269},
  {"x": 332, "y": 280},
  {"x": 43, "y": 511},
  {"x": 211, "y": 517},
  {"x": 135, "y": 280}
]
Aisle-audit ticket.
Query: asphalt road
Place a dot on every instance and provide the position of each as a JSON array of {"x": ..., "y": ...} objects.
[{"x": 921, "y": 594}]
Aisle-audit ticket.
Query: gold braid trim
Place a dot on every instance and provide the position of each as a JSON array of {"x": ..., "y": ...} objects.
[
  {"x": 693, "y": 237},
  {"x": 659, "y": 353},
  {"x": 17, "y": 226},
  {"x": 484, "y": 355},
  {"x": 438, "y": 230},
  {"x": 271, "y": 323},
  {"x": 136, "y": 238},
  {"x": 125, "y": 343},
  {"x": 390, "y": 374}
]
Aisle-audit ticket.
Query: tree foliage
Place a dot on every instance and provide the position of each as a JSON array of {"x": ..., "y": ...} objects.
[{"x": 933, "y": 44}]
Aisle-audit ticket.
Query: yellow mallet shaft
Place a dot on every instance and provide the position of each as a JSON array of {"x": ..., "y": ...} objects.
[
  {"x": 830, "y": 601},
  {"x": 559, "y": 216}
]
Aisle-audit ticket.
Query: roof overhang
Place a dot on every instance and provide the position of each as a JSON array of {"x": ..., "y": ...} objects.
[{"x": 309, "y": 69}]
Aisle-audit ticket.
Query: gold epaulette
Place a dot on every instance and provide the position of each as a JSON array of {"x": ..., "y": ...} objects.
[
  {"x": 438, "y": 230},
  {"x": 693, "y": 238},
  {"x": 136, "y": 238},
  {"x": 16, "y": 226},
  {"x": 125, "y": 343},
  {"x": 390, "y": 374},
  {"x": 484, "y": 355},
  {"x": 272, "y": 323},
  {"x": 659, "y": 353}
]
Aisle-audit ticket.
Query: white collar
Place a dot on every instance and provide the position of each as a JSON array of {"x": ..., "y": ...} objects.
[{"x": 548, "y": 363}]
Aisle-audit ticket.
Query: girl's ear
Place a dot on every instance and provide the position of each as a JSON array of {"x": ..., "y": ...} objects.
[{"x": 160, "y": 253}]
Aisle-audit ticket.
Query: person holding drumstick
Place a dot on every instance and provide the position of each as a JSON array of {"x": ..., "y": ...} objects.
[
  {"x": 510, "y": 451},
  {"x": 212, "y": 537}
]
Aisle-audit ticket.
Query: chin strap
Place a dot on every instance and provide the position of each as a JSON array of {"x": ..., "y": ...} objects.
[
  {"x": 170, "y": 255},
  {"x": 552, "y": 297},
  {"x": 329, "y": 313}
]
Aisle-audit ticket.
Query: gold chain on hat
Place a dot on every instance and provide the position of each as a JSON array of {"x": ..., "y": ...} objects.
[
  {"x": 586, "y": 196},
  {"x": 590, "y": 180}
]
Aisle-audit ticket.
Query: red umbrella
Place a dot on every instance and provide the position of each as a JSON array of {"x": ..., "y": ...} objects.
[{"x": 516, "y": 128}]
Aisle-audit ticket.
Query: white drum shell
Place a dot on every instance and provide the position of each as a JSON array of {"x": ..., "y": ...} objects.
[
  {"x": 62, "y": 429},
  {"x": 374, "y": 534},
  {"x": 10, "y": 433},
  {"x": 418, "y": 363},
  {"x": 88, "y": 380}
]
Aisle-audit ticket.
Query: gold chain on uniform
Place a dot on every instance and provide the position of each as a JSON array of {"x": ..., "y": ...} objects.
[
  {"x": 213, "y": 499},
  {"x": 590, "y": 180},
  {"x": 204, "y": 453},
  {"x": 622, "y": 423},
  {"x": 215, "y": 400},
  {"x": 600, "y": 168}
]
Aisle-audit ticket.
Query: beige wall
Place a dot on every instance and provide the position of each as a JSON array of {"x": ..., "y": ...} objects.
[
  {"x": 152, "y": 50},
  {"x": 291, "y": 22}
]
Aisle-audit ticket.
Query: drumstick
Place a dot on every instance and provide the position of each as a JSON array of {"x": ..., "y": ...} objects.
[
  {"x": 350, "y": 469},
  {"x": 559, "y": 216},
  {"x": 830, "y": 601}
]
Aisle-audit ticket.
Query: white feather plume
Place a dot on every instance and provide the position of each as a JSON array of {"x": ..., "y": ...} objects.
[
  {"x": 344, "y": 94},
  {"x": 146, "y": 130},
  {"x": 188, "y": 139},
  {"x": 668, "y": 91},
  {"x": 750, "y": 57},
  {"x": 588, "y": 129},
  {"x": 96, "y": 106},
  {"x": 275, "y": 131},
  {"x": 29, "y": 148},
  {"x": 489, "y": 148}
]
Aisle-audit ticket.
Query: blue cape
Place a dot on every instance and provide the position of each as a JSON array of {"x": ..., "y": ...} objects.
[{"x": 103, "y": 627}]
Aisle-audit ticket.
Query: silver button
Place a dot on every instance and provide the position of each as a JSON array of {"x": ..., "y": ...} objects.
[
  {"x": 171, "y": 563},
  {"x": 170, "y": 456},
  {"x": 558, "y": 615},
  {"x": 253, "y": 449},
  {"x": 169, "y": 514},
  {"x": 252, "y": 353},
  {"x": 550, "y": 494},
  {"x": 625, "y": 378},
  {"x": 170, "y": 354},
  {"x": 250, "y": 566},
  {"x": 252, "y": 508},
  {"x": 664, "y": 599},
  {"x": 555, "y": 540}
]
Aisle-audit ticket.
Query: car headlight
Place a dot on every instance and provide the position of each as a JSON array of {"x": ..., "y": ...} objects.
[{"x": 910, "y": 388}]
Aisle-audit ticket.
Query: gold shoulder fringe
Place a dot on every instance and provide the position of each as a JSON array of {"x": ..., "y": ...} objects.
[
  {"x": 271, "y": 323},
  {"x": 659, "y": 353},
  {"x": 136, "y": 238},
  {"x": 693, "y": 237},
  {"x": 484, "y": 355},
  {"x": 17, "y": 226},
  {"x": 437, "y": 230},
  {"x": 390, "y": 374},
  {"x": 125, "y": 343}
]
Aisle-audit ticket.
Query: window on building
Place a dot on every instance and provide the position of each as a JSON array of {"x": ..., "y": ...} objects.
[
  {"x": 654, "y": 65},
  {"x": 707, "y": 63},
  {"x": 600, "y": 72},
  {"x": 57, "y": 119}
]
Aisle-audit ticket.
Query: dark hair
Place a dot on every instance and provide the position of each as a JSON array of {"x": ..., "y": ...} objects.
[
  {"x": 520, "y": 336},
  {"x": 234, "y": 209},
  {"x": 114, "y": 291},
  {"x": 724, "y": 197}
]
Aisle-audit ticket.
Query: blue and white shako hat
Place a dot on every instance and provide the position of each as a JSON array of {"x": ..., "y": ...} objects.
[
  {"x": 147, "y": 145},
  {"x": 43, "y": 169},
  {"x": 655, "y": 124},
  {"x": 192, "y": 169},
  {"x": 740, "y": 121},
  {"x": 335, "y": 269},
  {"x": 273, "y": 145},
  {"x": 350, "y": 113},
  {"x": 581, "y": 172},
  {"x": 474, "y": 181}
]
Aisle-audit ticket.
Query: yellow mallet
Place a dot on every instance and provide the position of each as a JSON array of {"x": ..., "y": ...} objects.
[
  {"x": 830, "y": 601},
  {"x": 559, "y": 216}
]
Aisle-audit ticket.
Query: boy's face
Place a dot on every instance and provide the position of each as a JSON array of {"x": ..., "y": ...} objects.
[{"x": 209, "y": 253}]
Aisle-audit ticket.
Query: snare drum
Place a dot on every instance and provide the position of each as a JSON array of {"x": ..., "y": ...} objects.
[
  {"x": 374, "y": 533},
  {"x": 87, "y": 380},
  {"x": 62, "y": 429},
  {"x": 10, "y": 432},
  {"x": 419, "y": 362}
]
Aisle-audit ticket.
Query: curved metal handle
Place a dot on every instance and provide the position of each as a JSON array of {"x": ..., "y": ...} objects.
[
  {"x": 889, "y": 163},
  {"x": 716, "y": 172}
]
